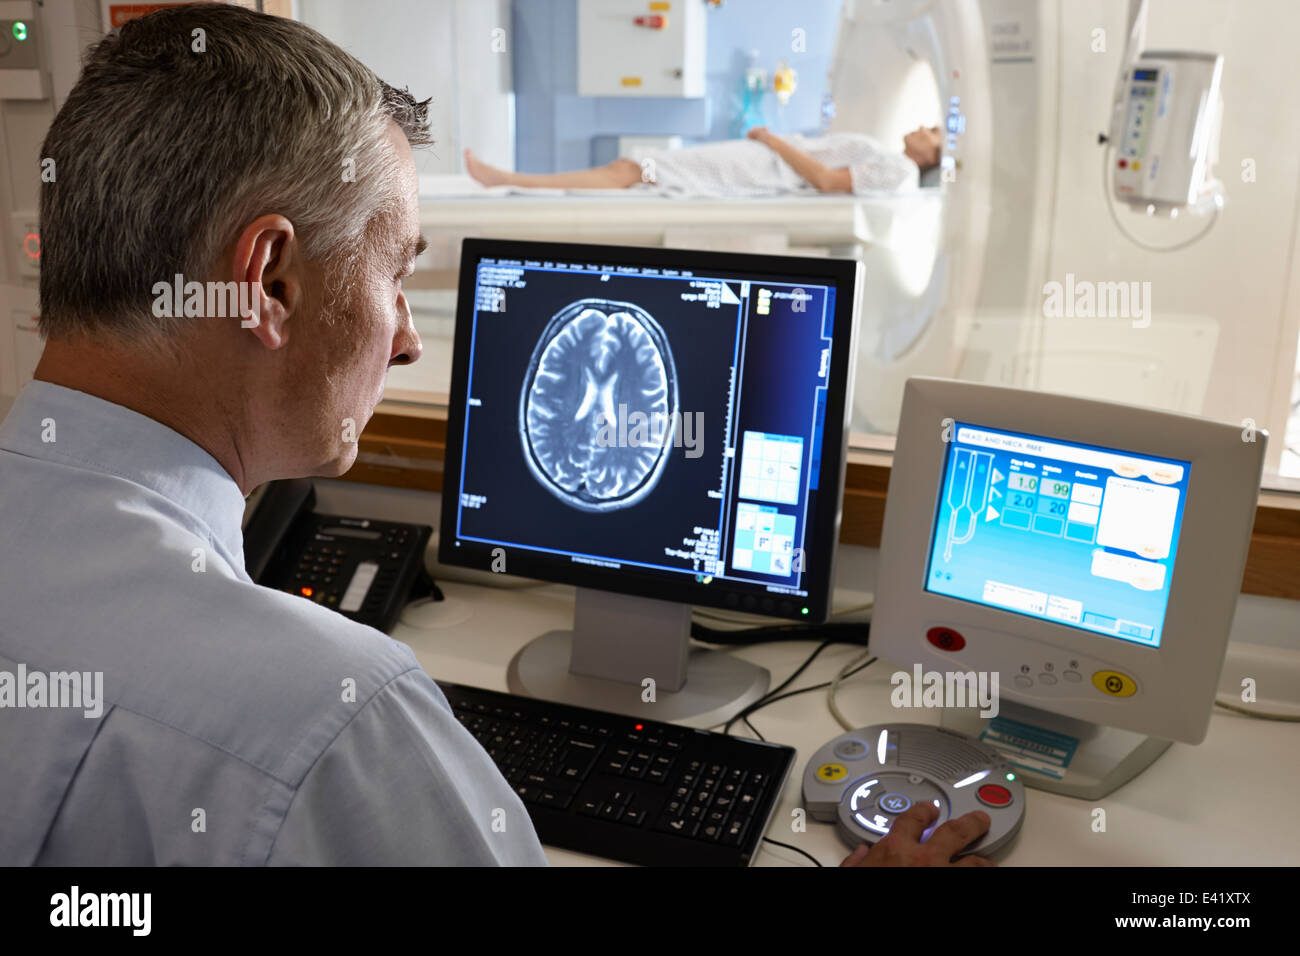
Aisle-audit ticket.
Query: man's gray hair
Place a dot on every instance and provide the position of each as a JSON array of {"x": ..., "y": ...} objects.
[{"x": 173, "y": 140}]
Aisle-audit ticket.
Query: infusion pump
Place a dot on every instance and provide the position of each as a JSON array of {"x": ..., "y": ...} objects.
[{"x": 1165, "y": 131}]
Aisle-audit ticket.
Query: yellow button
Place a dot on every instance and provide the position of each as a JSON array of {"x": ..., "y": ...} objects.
[
  {"x": 1114, "y": 683},
  {"x": 831, "y": 772},
  {"x": 1137, "y": 164}
]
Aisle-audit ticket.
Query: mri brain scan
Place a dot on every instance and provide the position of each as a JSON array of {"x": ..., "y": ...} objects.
[{"x": 599, "y": 405}]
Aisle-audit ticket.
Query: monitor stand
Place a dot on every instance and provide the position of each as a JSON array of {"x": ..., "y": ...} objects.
[
  {"x": 1105, "y": 758},
  {"x": 617, "y": 643}
]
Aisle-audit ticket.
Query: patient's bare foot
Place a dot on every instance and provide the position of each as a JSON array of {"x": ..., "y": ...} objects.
[{"x": 485, "y": 174}]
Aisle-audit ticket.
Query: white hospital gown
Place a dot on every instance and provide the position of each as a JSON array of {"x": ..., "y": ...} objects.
[{"x": 745, "y": 167}]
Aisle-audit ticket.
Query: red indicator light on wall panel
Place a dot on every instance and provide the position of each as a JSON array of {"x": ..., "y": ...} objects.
[
  {"x": 654, "y": 22},
  {"x": 32, "y": 245}
]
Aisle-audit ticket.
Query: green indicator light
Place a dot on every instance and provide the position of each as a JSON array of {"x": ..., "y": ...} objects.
[
  {"x": 20, "y": 30},
  {"x": 1011, "y": 776},
  {"x": 804, "y": 611}
]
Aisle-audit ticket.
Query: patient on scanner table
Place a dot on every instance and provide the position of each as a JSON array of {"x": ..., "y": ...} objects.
[{"x": 763, "y": 164}]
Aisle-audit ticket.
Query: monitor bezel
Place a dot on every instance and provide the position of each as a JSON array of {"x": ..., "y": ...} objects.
[
  {"x": 1177, "y": 680},
  {"x": 846, "y": 274}
]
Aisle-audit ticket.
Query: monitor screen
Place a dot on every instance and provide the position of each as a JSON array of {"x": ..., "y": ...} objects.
[
  {"x": 638, "y": 422},
  {"x": 1077, "y": 534}
]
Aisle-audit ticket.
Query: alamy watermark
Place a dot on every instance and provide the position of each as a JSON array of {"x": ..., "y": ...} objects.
[
  {"x": 946, "y": 689},
  {"x": 218, "y": 300},
  {"x": 1084, "y": 299},
  {"x": 70, "y": 689},
  {"x": 638, "y": 429}
]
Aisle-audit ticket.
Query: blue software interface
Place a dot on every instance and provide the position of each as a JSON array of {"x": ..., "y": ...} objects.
[
  {"x": 1077, "y": 534},
  {"x": 663, "y": 420}
]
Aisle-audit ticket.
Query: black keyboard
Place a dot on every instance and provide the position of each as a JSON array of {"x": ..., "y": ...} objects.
[{"x": 628, "y": 789}]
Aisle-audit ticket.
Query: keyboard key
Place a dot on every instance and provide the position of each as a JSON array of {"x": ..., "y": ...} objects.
[
  {"x": 680, "y": 826},
  {"x": 633, "y": 816},
  {"x": 734, "y": 832}
]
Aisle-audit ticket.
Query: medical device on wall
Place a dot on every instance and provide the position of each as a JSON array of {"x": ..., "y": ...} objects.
[
  {"x": 1165, "y": 135},
  {"x": 1087, "y": 555},
  {"x": 660, "y": 428},
  {"x": 1163, "y": 140},
  {"x": 642, "y": 48}
]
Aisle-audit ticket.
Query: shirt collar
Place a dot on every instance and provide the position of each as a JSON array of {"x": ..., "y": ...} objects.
[{"x": 100, "y": 436}]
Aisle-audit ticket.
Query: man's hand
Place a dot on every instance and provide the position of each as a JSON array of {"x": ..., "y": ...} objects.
[
  {"x": 902, "y": 846},
  {"x": 759, "y": 133}
]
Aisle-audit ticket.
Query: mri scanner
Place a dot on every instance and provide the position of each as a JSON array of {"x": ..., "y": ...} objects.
[
  {"x": 972, "y": 67},
  {"x": 955, "y": 271}
]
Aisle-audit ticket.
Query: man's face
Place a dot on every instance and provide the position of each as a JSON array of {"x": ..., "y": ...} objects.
[{"x": 362, "y": 328}]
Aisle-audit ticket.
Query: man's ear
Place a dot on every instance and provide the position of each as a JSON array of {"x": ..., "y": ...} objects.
[{"x": 268, "y": 266}]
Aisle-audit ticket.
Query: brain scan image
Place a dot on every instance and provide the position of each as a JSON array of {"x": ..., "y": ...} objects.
[{"x": 598, "y": 369}]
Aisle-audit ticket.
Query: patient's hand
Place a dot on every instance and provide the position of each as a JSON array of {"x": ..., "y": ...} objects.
[
  {"x": 759, "y": 133},
  {"x": 902, "y": 846}
]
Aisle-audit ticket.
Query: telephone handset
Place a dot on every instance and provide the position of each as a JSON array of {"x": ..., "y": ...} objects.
[{"x": 365, "y": 569}]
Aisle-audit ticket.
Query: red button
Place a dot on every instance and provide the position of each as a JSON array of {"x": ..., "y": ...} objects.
[
  {"x": 945, "y": 638},
  {"x": 1123, "y": 163},
  {"x": 993, "y": 795}
]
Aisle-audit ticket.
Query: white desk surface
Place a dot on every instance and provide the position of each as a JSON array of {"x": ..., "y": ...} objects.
[{"x": 1226, "y": 802}]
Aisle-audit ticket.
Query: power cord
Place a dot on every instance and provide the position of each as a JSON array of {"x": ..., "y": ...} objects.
[
  {"x": 816, "y": 862},
  {"x": 772, "y": 696},
  {"x": 847, "y": 671},
  {"x": 1257, "y": 714}
]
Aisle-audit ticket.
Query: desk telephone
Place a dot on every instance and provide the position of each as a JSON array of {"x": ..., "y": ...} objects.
[{"x": 365, "y": 569}]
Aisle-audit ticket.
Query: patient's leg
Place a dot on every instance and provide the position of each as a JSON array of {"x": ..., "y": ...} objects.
[{"x": 619, "y": 174}]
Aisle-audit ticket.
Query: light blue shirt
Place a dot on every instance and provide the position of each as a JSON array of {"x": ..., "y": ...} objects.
[{"x": 226, "y": 732}]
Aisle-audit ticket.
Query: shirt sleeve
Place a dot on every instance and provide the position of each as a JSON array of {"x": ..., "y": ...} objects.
[
  {"x": 884, "y": 172},
  {"x": 404, "y": 784}
]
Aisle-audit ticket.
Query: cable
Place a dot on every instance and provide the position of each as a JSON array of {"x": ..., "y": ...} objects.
[
  {"x": 816, "y": 862},
  {"x": 1110, "y": 207},
  {"x": 845, "y": 672},
  {"x": 772, "y": 696},
  {"x": 745, "y": 712},
  {"x": 804, "y": 690},
  {"x": 1257, "y": 714}
]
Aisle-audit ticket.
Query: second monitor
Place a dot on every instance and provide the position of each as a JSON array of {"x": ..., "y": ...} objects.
[{"x": 660, "y": 428}]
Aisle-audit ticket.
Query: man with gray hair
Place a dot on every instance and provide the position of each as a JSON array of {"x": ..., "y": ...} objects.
[{"x": 240, "y": 725}]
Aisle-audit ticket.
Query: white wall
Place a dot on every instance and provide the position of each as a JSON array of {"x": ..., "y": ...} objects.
[
  {"x": 444, "y": 49},
  {"x": 1241, "y": 273}
]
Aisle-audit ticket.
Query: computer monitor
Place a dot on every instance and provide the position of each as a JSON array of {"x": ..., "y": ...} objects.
[
  {"x": 1088, "y": 555},
  {"x": 660, "y": 428}
]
